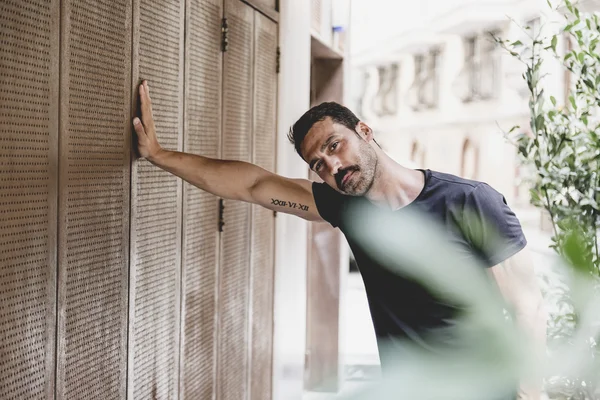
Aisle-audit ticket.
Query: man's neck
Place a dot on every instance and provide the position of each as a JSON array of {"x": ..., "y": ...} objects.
[{"x": 394, "y": 186}]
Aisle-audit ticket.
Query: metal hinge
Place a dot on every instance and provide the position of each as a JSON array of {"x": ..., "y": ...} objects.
[
  {"x": 221, "y": 219},
  {"x": 274, "y": 214},
  {"x": 224, "y": 35},
  {"x": 278, "y": 60}
]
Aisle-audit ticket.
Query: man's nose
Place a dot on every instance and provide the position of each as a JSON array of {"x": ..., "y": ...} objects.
[{"x": 334, "y": 167}]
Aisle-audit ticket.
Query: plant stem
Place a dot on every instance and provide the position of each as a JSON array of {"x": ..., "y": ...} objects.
[
  {"x": 551, "y": 216},
  {"x": 534, "y": 99},
  {"x": 596, "y": 241}
]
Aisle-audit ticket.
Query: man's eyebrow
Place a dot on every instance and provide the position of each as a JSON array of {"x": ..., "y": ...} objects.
[
  {"x": 329, "y": 139},
  {"x": 314, "y": 160}
]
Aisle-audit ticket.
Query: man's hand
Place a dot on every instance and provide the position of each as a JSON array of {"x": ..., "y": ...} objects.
[{"x": 147, "y": 142}]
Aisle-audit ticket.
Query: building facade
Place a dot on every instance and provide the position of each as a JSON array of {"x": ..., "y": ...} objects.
[{"x": 440, "y": 93}]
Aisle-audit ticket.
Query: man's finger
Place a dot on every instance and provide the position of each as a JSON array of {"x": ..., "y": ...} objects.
[
  {"x": 137, "y": 125},
  {"x": 146, "y": 106}
]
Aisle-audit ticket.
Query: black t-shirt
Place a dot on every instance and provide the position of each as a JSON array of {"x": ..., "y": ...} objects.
[{"x": 475, "y": 217}]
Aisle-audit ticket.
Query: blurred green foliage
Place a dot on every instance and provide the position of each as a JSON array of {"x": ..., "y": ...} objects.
[{"x": 562, "y": 151}]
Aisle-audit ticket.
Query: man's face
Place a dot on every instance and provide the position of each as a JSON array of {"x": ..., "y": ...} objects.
[{"x": 344, "y": 161}]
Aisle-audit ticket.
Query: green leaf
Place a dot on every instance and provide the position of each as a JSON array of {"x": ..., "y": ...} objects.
[
  {"x": 569, "y": 55},
  {"x": 513, "y": 128},
  {"x": 569, "y": 6},
  {"x": 553, "y": 43},
  {"x": 576, "y": 252},
  {"x": 576, "y": 12},
  {"x": 568, "y": 27},
  {"x": 516, "y": 43},
  {"x": 584, "y": 119},
  {"x": 553, "y": 100},
  {"x": 572, "y": 100},
  {"x": 587, "y": 22},
  {"x": 549, "y": 5},
  {"x": 535, "y": 196},
  {"x": 539, "y": 122},
  {"x": 581, "y": 57}
]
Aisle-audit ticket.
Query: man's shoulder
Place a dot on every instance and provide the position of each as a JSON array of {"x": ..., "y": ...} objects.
[
  {"x": 461, "y": 193},
  {"x": 454, "y": 181},
  {"x": 451, "y": 187}
]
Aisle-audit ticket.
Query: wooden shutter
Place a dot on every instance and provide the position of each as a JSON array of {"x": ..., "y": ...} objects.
[
  {"x": 28, "y": 193},
  {"x": 267, "y": 4},
  {"x": 94, "y": 198},
  {"x": 263, "y": 227},
  {"x": 156, "y": 208},
  {"x": 200, "y": 209},
  {"x": 235, "y": 258}
]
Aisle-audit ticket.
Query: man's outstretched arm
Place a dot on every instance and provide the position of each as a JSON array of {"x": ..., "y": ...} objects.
[{"x": 235, "y": 180}]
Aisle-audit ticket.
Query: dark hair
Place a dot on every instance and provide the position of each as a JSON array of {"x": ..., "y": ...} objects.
[{"x": 337, "y": 112}]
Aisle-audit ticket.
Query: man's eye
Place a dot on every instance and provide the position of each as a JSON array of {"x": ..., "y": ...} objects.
[
  {"x": 334, "y": 145},
  {"x": 318, "y": 166}
]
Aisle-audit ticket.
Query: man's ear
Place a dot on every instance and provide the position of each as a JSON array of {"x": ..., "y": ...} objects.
[{"x": 364, "y": 131}]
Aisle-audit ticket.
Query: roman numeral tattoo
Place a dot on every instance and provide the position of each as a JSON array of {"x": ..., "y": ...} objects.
[{"x": 289, "y": 204}]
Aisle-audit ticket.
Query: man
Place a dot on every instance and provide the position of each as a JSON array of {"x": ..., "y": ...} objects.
[{"x": 342, "y": 151}]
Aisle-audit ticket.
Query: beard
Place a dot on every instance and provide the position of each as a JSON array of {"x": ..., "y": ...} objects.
[{"x": 363, "y": 173}]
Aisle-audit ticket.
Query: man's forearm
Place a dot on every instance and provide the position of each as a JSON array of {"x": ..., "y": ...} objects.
[{"x": 223, "y": 178}]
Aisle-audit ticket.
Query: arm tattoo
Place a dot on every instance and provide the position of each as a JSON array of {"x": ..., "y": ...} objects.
[{"x": 289, "y": 204}]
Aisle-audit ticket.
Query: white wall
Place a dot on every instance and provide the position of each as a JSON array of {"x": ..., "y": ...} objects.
[{"x": 291, "y": 232}]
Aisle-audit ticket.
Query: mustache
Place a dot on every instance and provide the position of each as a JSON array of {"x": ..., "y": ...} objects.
[{"x": 342, "y": 172}]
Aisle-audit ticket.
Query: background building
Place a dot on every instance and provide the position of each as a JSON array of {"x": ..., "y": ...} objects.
[{"x": 438, "y": 90}]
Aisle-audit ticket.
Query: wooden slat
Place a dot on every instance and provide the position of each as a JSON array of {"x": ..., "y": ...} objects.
[
  {"x": 203, "y": 85},
  {"x": 235, "y": 243},
  {"x": 155, "y": 278},
  {"x": 263, "y": 227},
  {"x": 94, "y": 198},
  {"x": 28, "y": 197}
]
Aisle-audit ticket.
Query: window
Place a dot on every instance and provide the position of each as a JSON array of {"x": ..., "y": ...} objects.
[
  {"x": 424, "y": 90},
  {"x": 479, "y": 77},
  {"x": 386, "y": 99},
  {"x": 378, "y": 99},
  {"x": 360, "y": 83},
  {"x": 390, "y": 99},
  {"x": 471, "y": 68},
  {"x": 489, "y": 63}
]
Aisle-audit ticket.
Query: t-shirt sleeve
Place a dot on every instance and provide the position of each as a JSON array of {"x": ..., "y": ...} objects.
[
  {"x": 490, "y": 226},
  {"x": 329, "y": 203}
]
